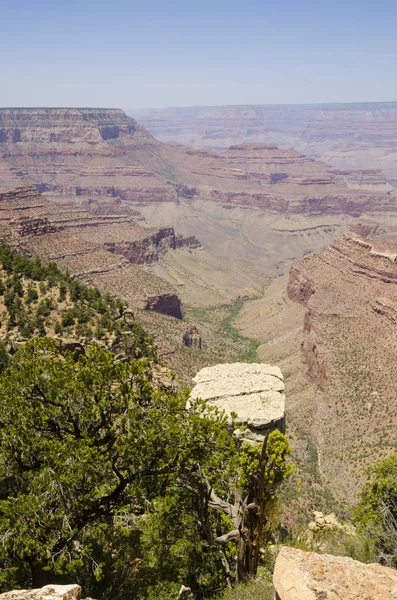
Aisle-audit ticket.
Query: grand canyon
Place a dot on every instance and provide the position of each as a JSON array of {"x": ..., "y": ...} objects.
[
  {"x": 234, "y": 234},
  {"x": 182, "y": 233}
]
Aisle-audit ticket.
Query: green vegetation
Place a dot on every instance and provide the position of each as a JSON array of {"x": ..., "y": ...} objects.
[
  {"x": 41, "y": 300},
  {"x": 107, "y": 481},
  {"x": 251, "y": 355},
  {"x": 224, "y": 343},
  {"x": 260, "y": 588},
  {"x": 376, "y": 514}
]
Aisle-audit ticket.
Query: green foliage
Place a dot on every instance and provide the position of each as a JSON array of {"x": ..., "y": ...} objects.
[
  {"x": 4, "y": 358},
  {"x": 85, "y": 448},
  {"x": 260, "y": 588},
  {"x": 227, "y": 326},
  {"x": 277, "y": 467},
  {"x": 376, "y": 514},
  {"x": 85, "y": 311},
  {"x": 32, "y": 294},
  {"x": 175, "y": 551}
]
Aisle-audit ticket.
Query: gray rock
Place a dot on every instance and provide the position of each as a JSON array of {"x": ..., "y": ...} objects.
[
  {"x": 49, "y": 592},
  {"x": 185, "y": 593},
  {"x": 255, "y": 392}
]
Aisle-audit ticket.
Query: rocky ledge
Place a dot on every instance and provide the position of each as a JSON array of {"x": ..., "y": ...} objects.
[
  {"x": 300, "y": 575},
  {"x": 54, "y": 125},
  {"x": 255, "y": 392},
  {"x": 49, "y": 592}
]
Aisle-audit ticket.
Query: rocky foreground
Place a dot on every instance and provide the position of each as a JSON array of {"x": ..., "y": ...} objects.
[
  {"x": 298, "y": 575},
  {"x": 302, "y": 575}
]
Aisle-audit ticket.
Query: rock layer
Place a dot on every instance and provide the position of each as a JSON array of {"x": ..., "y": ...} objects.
[
  {"x": 349, "y": 346},
  {"x": 79, "y": 242},
  {"x": 300, "y": 575},
  {"x": 255, "y": 392}
]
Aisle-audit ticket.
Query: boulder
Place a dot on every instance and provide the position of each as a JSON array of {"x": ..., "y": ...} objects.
[
  {"x": 323, "y": 522},
  {"x": 300, "y": 575},
  {"x": 254, "y": 392},
  {"x": 185, "y": 593},
  {"x": 49, "y": 592},
  {"x": 192, "y": 338},
  {"x": 167, "y": 304}
]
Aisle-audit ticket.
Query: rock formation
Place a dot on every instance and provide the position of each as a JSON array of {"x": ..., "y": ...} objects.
[
  {"x": 323, "y": 522},
  {"x": 255, "y": 392},
  {"x": 149, "y": 249},
  {"x": 348, "y": 344},
  {"x": 167, "y": 304},
  {"x": 349, "y": 136},
  {"x": 185, "y": 593},
  {"x": 300, "y": 575},
  {"x": 192, "y": 338},
  {"x": 49, "y": 592}
]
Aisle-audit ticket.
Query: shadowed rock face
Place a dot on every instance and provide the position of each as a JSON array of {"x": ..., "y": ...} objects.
[
  {"x": 149, "y": 249},
  {"x": 300, "y": 575},
  {"x": 167, "y": 304},
  {"x": 255, "y": 392}
]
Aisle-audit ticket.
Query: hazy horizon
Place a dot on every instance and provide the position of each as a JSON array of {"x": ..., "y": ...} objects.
[{"x": 218, "y": 53}]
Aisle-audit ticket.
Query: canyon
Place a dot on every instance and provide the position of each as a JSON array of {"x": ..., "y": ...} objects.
[
  {"x": 180, "y": 233},
  {"x": 346, "y": 136},
  {"x": 331, "y": 327}
]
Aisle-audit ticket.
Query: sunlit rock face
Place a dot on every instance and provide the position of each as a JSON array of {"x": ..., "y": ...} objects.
[
  {"x": 253, "y": 392},
  {"x": 300, "y": 575}
]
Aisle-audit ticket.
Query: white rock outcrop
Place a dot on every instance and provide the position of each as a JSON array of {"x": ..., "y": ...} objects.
[
  {"x": 255, "y": 392},
  {"x": 300, "y": 575},
  {"x": 49, "y": 592}
]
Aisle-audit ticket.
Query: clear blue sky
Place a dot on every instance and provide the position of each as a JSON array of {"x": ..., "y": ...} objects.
[{"x": 155, "y": 53}]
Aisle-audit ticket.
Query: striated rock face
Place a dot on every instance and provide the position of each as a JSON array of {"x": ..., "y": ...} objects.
[
  {"x": 349, "y": 136},
  {"x": 149, "y": 250},
  {"x": 85, "y": 153},
  {"x": 255, "y": 392},
  {"x": 167, "y": 304},
  {"x": 31, "y": 226},
  {"x": 49, "y": 592},
  {"x": 79, "y": 242},
  {"x": 349, "y": 346},
  {"x": 71, "y": 125},
  {"x": 300, "y": 575}
]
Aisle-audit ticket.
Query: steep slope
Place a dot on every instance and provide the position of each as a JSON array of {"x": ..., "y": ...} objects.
[
  {"x": 31, "y": 222},
  {"x": 350, "y": 348},
  {"x": 38, "y": 300},
  {"x": 332, "y": 329}
]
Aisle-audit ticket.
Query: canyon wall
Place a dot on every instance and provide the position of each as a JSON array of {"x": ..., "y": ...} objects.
[{"x": 348, "y": 347}]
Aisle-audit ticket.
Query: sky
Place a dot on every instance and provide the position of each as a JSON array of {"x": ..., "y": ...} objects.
[{"x": 159, "y": 53}]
